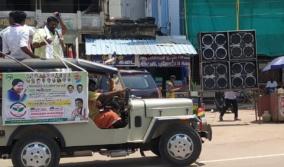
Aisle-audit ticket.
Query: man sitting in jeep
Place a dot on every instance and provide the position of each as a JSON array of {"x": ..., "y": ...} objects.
[{"x": 103, "y": 116}]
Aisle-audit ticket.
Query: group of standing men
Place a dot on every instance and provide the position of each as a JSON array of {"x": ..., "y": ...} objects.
[{"x": 21, "y": 41}]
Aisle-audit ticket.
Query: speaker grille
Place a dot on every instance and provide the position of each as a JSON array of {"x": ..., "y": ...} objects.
[
  {"x": 243, "y": 74},
  {"x": 235, "y": 39},
  {"x": 207, "y": 39},
  {"x": 242, "y": 45},
  {"x": 221, "y": 39},
  {"x": 215, "y": 76},
  {"x": 214, "y": 46},
  {"x": 221, "y": 53},
  {"x": 237, "y": 82}
]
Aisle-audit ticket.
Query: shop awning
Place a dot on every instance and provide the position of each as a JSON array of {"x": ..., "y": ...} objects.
[{"x": 160, "y": 46}]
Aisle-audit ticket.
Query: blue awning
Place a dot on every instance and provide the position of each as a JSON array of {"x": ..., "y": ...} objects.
[{"x": 160, "y": 46}]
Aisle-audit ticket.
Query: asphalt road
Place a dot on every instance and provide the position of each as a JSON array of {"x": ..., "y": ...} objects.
[{"x": 246, "y": 145}]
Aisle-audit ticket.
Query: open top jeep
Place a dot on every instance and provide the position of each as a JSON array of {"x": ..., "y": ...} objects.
[{"x": 38, "y": 125}]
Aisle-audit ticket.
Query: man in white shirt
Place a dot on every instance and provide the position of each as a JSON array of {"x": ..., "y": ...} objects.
[
  {"x": 271, "y": 86},
  {"x": 230, "y": 101},
  {"x": 15, "y": 39}
]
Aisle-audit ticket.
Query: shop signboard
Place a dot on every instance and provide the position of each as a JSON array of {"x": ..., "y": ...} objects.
[
  {"x": 46, "y": 98},
  {"x": 122, "y": 60},
  {"x": 164, "y": 60}
]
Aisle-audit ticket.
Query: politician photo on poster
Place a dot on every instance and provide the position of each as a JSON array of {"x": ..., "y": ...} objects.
[{"x": 17, "y": 93}]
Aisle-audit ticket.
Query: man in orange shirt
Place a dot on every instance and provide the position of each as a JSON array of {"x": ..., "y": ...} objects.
[{"x": 103, "y": 117}]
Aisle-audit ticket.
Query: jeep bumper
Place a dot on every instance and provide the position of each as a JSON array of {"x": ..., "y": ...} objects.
[{"x": 205, "y": 129}]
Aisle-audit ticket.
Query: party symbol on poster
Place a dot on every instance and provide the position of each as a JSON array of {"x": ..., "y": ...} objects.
[{"x": 18, "y": 110}]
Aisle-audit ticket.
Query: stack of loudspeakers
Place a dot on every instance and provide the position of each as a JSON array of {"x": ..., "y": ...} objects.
[
  {"x": 214, "y": 58},
  {"x": 243, "y": 59},
  {"x": 228, "y": 60}
]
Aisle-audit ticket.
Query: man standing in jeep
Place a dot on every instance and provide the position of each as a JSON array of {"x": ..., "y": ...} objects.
[
  {"x": 16, "y": 37},
  {"x": 48, "y": 41}
]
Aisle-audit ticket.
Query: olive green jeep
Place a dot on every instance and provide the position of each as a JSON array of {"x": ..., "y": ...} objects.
[{"x": 33, "y": 133}]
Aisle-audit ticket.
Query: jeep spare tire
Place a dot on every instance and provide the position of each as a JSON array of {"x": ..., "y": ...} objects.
[
  {"x": 36, "y": 151},
  {"x": 181, "y": 146}
]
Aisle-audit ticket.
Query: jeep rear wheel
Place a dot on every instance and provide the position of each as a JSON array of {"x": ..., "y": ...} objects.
[
  {"x": 36, "y": 151},
  {"x": 180, "y": 146}
]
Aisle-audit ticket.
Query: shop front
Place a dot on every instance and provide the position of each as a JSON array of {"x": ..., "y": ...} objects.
[
  {"x": 162, "y": 57},
  {"x": 163, "y": 66}
]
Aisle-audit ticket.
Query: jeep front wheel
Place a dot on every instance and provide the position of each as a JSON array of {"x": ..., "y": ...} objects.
[
  {"x": 36, "y": 151},
  {"x": 155, "y": 146},
  {"x": 180, "y": 146}
]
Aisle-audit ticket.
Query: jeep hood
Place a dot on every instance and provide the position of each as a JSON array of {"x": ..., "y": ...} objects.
[{"x": 167, "y": 107}]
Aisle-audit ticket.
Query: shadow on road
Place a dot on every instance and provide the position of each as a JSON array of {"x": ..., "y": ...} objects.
[
  {"x": 133, "y": 162},
  {"x": 230, "y": 124},
  {"x": 263, "y": 122}
]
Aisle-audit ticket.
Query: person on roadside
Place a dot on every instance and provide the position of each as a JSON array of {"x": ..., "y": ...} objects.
[
  {"x": 170, "y": 86},
  {"x": 48, "y": 41},
  {"x": 271, "y": 86},
  {"x": 111, "y": 60},
  {"x": 16, "y": 37},
  {"x": 219, "y": 101},
  {"x": 230, "y": 101}
]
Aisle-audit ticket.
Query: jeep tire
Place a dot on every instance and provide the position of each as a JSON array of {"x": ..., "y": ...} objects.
[
  {"x": 154, "y": 147},
  {"x": 38, "y": 150},
  {"x": 181, "y": 146}
]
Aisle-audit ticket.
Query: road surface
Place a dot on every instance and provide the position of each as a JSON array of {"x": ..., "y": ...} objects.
[{"x": 240, "y": 145}]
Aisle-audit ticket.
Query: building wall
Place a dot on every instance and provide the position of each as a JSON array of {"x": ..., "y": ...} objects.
[
  {"x": 133, "y": 9},
  {"x": 167, "y": 14},
  {"x": 115, "y": 8},
  {"x": 66, "y": 6},
  {"x": 164, "y": 16},
  {"x": 148, "y": 8},
  {"x": 26, "y": 5},
  {"x": 174, "y": 17},
  {"x": 151, "y": 9}
]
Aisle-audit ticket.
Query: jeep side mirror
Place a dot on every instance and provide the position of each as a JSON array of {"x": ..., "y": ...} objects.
[
  {"x": 135, "y": 97},
  {"x": 132, "y": 96},
  {"x": 127, "y": 92},
  {"x": 127, "y": 95}
]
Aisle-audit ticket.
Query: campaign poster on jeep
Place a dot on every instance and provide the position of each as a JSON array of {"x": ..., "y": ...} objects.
[{"x": 49, "y": 97}]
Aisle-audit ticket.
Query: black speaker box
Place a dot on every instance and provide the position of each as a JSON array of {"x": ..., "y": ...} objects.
[
  {"x": 215, "y": 76},
  {"x": 242, "y": 45},
  {"x": 213, "y": 46},
  {"x": 243, "y": 74}
]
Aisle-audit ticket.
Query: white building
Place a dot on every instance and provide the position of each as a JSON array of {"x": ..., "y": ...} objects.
[
  {"x": 169, "y": 15},
  {"x": 132, "y": 9}
]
